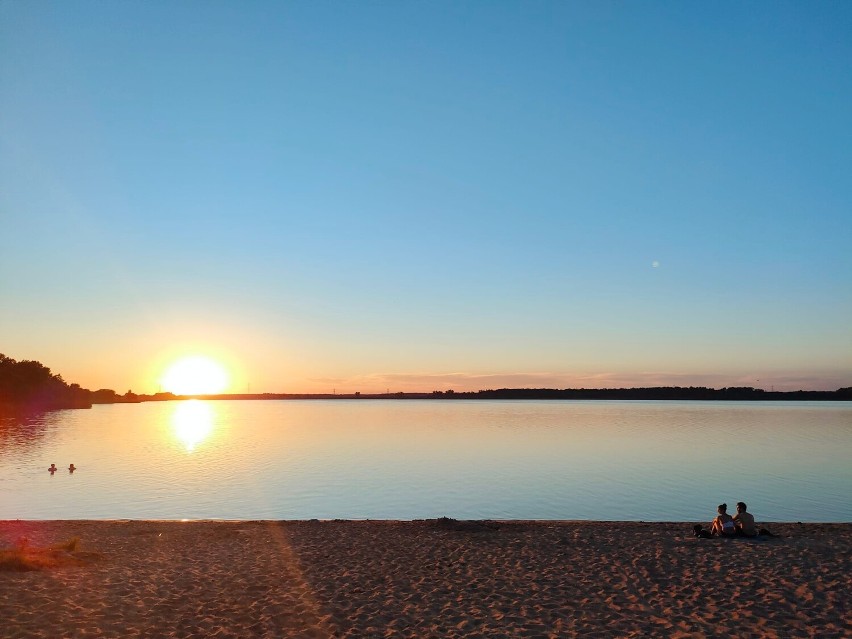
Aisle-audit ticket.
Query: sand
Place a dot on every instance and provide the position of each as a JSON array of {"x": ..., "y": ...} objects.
[{"x": 427, "y": 579}]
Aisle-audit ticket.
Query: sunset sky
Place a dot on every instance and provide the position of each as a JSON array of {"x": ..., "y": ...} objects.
[{"x": 361, "y": 196}]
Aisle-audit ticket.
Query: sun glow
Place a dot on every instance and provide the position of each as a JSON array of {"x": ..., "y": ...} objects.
[{"x": 195, "y": 375}]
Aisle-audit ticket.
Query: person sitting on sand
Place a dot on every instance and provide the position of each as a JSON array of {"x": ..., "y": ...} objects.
[
  {"x": 744, "y": 522},
  {"x": 723, "y": 525}
]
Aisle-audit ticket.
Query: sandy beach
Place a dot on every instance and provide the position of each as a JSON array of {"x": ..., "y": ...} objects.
[{"x": 426, "y": 579}]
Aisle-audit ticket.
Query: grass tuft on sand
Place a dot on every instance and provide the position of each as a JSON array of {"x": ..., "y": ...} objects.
[{"x": 23, "y": 557}]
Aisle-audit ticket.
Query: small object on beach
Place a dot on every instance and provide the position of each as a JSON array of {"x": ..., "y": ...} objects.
[
  {"x": 72, "y": 468},
  {"x": 52, "y": 469},
  {"x": 699, "y": 531}
]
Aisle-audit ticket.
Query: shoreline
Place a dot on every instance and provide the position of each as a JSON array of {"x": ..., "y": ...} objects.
[
  {"x": 20, "y": 407},
  {"x": 313, "y": 520},
  {"x": 427, "y": 578}
]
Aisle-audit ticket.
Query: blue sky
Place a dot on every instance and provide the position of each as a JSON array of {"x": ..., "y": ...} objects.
[{"x": 407, "y": 195}]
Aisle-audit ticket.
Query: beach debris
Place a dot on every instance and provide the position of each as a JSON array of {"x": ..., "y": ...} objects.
[{"x": 474, "y": 525}]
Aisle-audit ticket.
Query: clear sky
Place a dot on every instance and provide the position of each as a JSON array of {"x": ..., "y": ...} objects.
[{"x": 428, "y": 195}]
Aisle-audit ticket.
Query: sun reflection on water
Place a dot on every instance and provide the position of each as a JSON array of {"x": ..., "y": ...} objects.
[{"x": 192, "y": 421}]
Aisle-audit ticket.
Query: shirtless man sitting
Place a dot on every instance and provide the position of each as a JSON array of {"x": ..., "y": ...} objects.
[{"x": 744, "y": 521}]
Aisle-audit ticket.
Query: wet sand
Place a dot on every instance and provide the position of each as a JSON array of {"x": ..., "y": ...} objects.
[{"x": 428, "y": 579}]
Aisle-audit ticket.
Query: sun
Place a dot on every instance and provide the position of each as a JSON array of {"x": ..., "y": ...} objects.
[{"x": 195, "y": 375}]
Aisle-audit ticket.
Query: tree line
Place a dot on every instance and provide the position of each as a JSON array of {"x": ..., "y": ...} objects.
[
  {"x": 692, "y": 393},
  {"x": 28, "y": 385}
]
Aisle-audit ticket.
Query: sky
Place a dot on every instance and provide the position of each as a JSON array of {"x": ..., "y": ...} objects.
[{"x": 416, "y": 196}]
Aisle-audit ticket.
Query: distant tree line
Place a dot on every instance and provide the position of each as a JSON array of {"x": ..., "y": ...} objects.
[
  {"x": 30, "y": 386},
  {"x": 669, "y": 393},
  {"x": 733, "y": 393}
]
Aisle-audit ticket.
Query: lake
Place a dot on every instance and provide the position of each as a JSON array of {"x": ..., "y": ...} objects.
[{"x": 411, "y": 459}]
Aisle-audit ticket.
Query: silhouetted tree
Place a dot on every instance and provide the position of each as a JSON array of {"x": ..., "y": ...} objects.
[{"x": 32, "y": 385}]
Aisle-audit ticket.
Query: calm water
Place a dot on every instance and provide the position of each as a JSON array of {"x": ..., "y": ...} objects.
[{"x": 417, "y": 459}]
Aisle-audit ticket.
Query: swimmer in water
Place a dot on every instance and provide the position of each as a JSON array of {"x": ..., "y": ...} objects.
[
  {"x": 52, "y": 469},
  {"x": 72, "y": 468}
]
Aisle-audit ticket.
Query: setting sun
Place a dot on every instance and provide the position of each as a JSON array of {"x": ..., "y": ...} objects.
[{"x": 195, "y": 375}]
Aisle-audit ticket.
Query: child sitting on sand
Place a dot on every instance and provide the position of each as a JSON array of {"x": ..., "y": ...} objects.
[{"x": 723, "y": 525}]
